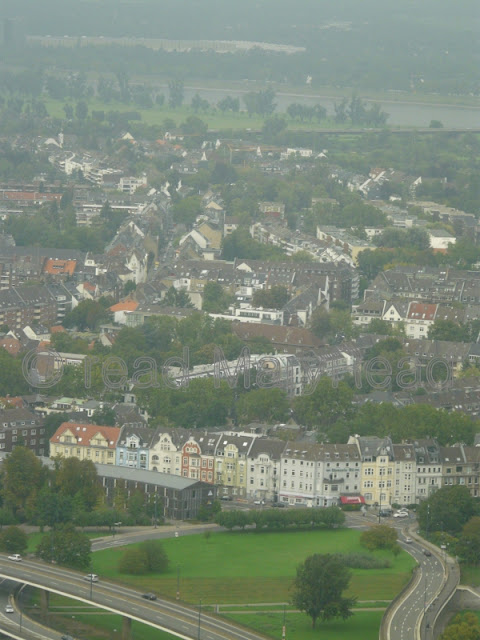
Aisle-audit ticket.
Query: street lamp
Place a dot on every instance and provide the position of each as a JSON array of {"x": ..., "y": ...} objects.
[
  {"x": 284, "y": 627},
  {"x": 115, "y": 524},
  {"x": 20, "y": 606},
  {"x": 199, "y": 619},
  {"x": 155, "y": 511},
  {"x": 178, "y": 582}
]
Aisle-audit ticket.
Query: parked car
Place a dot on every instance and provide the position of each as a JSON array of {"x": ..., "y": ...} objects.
[
  {"x": 149, "y": 596},
  {"x": 9, "y": 609},
  {"x": 279, "y": 504},
  {"x": 259, "y": 502},
  {"x": 400, "y": 514},
  {"x": 67, "y": 637},
  {"x": 16, "y": 557},
  {"x": 91, "y": 577},
  {"x": 408, "y": 540}
]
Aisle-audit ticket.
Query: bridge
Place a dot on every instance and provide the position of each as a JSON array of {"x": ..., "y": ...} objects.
[{"x": 172, "y": 617}]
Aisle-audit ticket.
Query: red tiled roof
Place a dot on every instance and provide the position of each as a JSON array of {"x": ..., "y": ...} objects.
[
  {"x": 12, "y": 345},
  {"x": 128, "y": 305},
  {"x": 58, "y": 329},
  {"x": 84, "y": 433},
  {"x": 54, "y": 266},
  {"x": 422, "y": 311}
]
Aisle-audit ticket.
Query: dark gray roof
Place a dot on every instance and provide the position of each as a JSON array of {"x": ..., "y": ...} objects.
[
  {"x": 269, "y": 446},
  {"x": 169, "y": 481}
]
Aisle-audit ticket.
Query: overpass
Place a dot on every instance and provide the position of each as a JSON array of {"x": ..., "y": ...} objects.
[{"x": 174, "y": 618}]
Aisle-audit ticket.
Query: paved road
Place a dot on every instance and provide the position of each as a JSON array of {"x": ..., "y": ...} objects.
[
  {"x": 177, "y": 619},
  {"x": 427, "y": 585}
]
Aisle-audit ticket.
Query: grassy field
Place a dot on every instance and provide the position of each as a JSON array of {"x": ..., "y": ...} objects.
[
  {"x": 215, "y": 120},
  {"x": 363, "y": 625},
  {"x": 254, "y": 568},
  {"x": 470, "y": 575},
  {"x": 243, "y": 569}
]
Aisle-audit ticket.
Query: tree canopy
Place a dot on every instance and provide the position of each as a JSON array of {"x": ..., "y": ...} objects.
[{"x": 318, "y": 587}]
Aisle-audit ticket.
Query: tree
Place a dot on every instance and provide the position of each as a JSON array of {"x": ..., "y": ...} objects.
[
  {"x": 81, "y": 110},
  {"x": 53, "y": 508},
  {"x": 175, "y": 88},
  {"x": 273, "y": 126},
  {"x": 194, "y": 126},
  {"x": 104, "y": 416},
  {"x": 318, "y": 588},
  {"x": 274, "y": 298},
  {"x": 443, "y": 329},
  {"x": 187, "y": 210},
  {"x": 215, "y": 299},
  {"x": 468, "y": 545},
  {"x": 448, "y": 509},
  {"x": 22, "y": 475},
  {"x": 148, "y": 557},
  {"x": 157, "y": 559},
  {"x": 133, "y": 561},
  {"x": 326, "y": 405},
  {"x": 380, "y": 536},
  {"x": 264, "y": 405},
  {"x": 464, "y": 626},
  {"x": 65, "y": 546},
  {"x": 79, "y": 479},
  {"x": 13, "y": 540},
  {"x": 87, "y": 315}
]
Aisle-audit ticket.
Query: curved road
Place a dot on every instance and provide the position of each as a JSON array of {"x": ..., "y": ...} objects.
[
  {"x": 422, "y": 597},
  {"x": 174, "y": 618}
]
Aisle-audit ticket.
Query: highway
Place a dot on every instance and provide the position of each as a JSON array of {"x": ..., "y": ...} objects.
[{"x": 179, "y": 620}]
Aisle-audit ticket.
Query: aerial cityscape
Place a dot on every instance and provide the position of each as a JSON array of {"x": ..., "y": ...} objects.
[{"x": 239, "y": 320}]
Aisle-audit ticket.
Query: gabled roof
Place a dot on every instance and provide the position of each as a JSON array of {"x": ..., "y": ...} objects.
[
  {"x": 127, "y": 305},
  {"x": 55, "y": 266},
  {"x": 84, "y": 433},
  {"x": 422, "y": 311}
]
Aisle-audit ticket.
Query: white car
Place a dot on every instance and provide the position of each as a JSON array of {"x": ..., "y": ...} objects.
[
  {"x": 16, "y": 557},
  {"x": 9, "y": 609},
  {"x": 400, "y": 514},
  {"x": 91, "y": 577}
]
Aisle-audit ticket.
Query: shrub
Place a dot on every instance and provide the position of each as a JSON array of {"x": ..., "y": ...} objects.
[
  {"x": 157, "y": 559},
  {"x": 148, "y": 557},
  {"x": 133, "y": 561},
  {"x": 364, "y": 561}
]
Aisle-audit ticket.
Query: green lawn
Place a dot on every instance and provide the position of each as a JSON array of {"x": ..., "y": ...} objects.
[
  {"x": 215, "y": 119},
  {"x": 242, "y": 568},
  {"x": 250, "y": 567},
  {"x": 364, "y": 625},
  {"x": 469, "y": 575}
]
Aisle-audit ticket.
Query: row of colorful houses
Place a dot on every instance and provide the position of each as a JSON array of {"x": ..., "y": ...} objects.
[{"x": 247, "y": 466}]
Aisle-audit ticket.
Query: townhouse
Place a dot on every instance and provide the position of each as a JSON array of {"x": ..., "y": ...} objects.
[
  {"x": 21, "y": 426},
  {"x": 388, "y": 471},
  {"x": 231, "y": 464},
  {"x": 263, "y": 472},
  {"x": 85, "y": 442}
]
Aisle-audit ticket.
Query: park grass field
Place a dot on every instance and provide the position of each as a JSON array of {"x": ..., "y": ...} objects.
[
  {"x": 363, "y": 625},
  {"x": 244, "y": 568},
  {"x": 81, "y": 621},
  {"x": 237, "y": 568},
  {"x": 216, "y": 120}
]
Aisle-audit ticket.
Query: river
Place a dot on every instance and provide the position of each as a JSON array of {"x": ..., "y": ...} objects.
[{"x": 401, "y": 114}]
